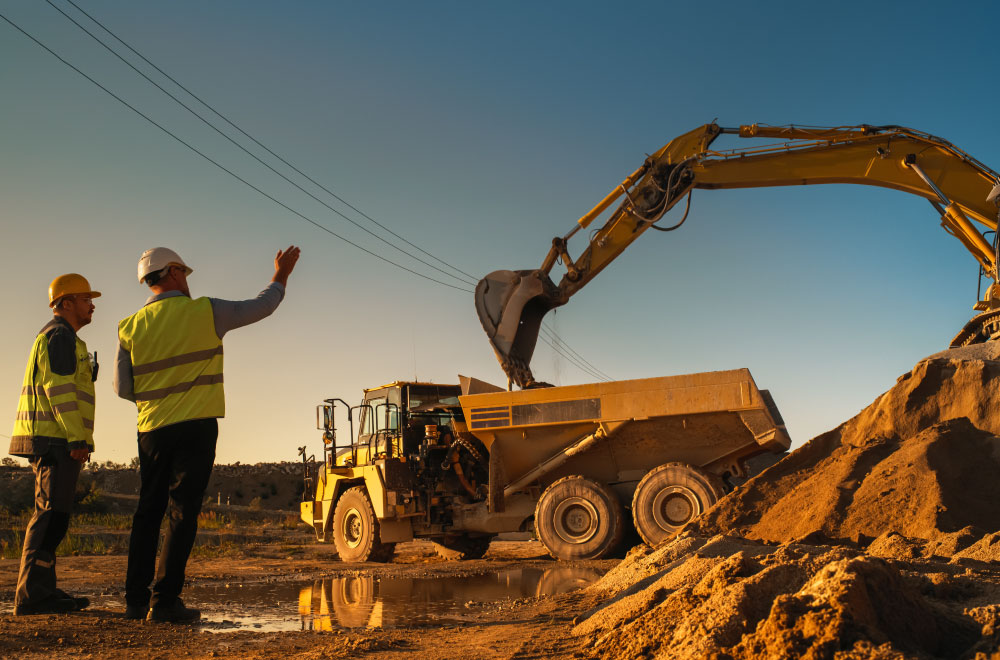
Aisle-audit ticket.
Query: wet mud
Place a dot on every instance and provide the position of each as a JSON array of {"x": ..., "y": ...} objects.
[
  {"x": 271, "y": 603},
  {"x": 369, "y": 601}
]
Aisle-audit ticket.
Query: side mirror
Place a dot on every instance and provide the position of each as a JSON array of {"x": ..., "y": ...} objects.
[{"x": 324, "y": 417}]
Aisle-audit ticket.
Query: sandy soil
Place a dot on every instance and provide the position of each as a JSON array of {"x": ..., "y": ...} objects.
[
  {"x": 878, "y": 539},
  {"x": 731, "y": 598},
  {"x": 529, "y": 627}
]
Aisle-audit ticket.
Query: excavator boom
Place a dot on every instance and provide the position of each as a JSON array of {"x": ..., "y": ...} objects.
[{"x": 512, "y": 304}]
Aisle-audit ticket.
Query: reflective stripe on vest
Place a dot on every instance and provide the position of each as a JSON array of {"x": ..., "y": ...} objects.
[
  {"x": 176, "y": 361},
  {"x": 52, "y": 405}
]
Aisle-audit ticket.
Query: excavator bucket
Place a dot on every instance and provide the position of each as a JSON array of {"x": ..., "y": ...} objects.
[{"x": 511, "y": 305}]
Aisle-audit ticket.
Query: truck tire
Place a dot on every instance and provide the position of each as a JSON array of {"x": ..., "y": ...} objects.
[
  {"x": 462, "y": 547},
  {"x": 356, "y": 530},
  {"x": 670, "y": 497},
  {"x": 579, "y": 518}
]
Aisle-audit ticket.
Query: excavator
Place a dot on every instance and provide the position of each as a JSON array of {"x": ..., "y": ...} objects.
[{"x": 962, "y": 190}]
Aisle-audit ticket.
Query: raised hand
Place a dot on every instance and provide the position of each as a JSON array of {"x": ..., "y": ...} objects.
[{"x": 284, "y": 264}]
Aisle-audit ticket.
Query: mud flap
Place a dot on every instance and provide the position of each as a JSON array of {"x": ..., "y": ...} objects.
[
  {"x": 497, "y": 479},
  {"x": 395, "y": 531}
]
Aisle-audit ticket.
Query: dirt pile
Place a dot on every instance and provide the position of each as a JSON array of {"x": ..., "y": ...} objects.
[
  {"x": 878, "y": 539},
  {"x": 921, "y": 461},
  {"x": 733, "y": 598}
]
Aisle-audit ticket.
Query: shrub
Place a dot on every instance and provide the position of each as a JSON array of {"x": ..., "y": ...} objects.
[
  {"x": 77, "y": 545},
  {"x": 212, "y": 520},
  {"x": 89, "y": 498},
  {"x": 212, "y": 551},
  {"x": 10, "y": 548},
  {"x": 291, "y": 522},
  {"x": 17, "y": 495}
]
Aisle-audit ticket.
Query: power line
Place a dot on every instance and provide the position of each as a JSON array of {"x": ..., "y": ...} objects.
[
  {"x": 556, "y": 343},
  {"x": 590, "y": 368},
  {"x": 570, "y": 359},
  {"x": 556, "y": 338},
  {"x": 553, "y": 343},
  {"x": 222, "y": 167},
  {"x": 472, "y": 278},
  {"x": 241, "y": 147}
]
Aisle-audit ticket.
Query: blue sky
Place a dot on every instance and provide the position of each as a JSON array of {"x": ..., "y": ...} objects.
[{"x": 479, "y": 132}]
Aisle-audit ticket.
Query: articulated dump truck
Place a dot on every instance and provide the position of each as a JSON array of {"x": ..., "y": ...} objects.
[{"x": 578, "y": 465}]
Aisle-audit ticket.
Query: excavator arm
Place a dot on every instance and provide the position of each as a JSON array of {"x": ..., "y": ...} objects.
[{"x": 511, "y": 304}]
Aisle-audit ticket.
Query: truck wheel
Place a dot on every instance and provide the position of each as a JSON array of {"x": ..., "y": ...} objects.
[
  {"x": 579, "y": 518},
  {"x": 356, "y": 529},
  {"x": 670, "y": 497},
  {"x": 462, "y": 547}
]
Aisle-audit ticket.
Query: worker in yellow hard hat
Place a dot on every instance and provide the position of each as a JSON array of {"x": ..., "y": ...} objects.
[
  {"x": 169, "y": 363},
  {"x": 54, "y": 430}
]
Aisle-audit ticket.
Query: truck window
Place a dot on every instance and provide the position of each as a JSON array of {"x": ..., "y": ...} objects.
[
  {"x": 428, "y": 396},
  {"x": 374, "y": 419}
]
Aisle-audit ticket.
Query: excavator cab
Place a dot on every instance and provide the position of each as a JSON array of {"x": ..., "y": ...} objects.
[{"x": 511, "y": 305}]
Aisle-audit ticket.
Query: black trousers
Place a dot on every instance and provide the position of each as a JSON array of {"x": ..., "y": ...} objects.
[
  {"x": 56, "y": 474},
  {"x": 175, "y": 463}
]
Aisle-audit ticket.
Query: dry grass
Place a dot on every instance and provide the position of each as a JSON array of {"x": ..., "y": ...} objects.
[{"x": 212, "y": 550}]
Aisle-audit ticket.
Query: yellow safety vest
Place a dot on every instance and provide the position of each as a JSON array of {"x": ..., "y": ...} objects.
[
  {"x": 176, "y": 361},
  {"x": 54, "y": 408}
]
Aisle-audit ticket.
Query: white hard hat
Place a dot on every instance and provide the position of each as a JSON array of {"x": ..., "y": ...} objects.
[{"x": 159, "y": 258}]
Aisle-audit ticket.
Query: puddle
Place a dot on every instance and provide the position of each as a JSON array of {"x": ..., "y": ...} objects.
[
  {"x": 373, "y": 602},
  {"x": 364, "y": 601}
]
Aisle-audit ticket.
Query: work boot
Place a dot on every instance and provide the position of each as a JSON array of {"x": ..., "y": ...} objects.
[
  {"x": 175, "y": 613},
  {"x": 136, "y": 612},
  {"x": 81, "y": 602},
  {"x": 50, "y": 605}
]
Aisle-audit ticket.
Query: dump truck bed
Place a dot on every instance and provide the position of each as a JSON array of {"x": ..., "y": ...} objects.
[{"x": 711, "y": 420}]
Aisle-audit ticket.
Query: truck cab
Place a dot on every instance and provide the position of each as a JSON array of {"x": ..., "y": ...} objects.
[
  {"x": 399, "y": 471},
  {"x": 392, "y": 418}
]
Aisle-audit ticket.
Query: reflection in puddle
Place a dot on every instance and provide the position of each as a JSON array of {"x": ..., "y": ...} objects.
[{"x": 371, "y": 602}]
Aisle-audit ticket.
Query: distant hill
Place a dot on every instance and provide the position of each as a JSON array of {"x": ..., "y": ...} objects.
[{"x": 275, "y": 486}]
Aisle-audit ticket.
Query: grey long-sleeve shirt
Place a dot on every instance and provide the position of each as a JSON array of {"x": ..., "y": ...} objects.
[{"x": 228, "y": 314}]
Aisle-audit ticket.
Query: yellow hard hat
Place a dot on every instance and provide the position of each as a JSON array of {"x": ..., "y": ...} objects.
[{"x": 68, "y": 285}]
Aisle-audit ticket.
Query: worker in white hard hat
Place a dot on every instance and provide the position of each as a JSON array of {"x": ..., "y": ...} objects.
[
  {"x": 169, "y": 363},
  {"x": 54, "y": 430}
]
